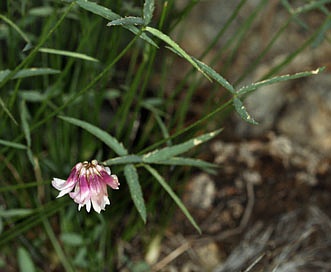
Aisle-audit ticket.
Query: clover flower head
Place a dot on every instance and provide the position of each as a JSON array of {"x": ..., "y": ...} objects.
[{"x": 89, "y": 181}]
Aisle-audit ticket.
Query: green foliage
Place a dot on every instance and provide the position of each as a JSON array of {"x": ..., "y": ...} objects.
[
  {"x": 73, "y": 89},
  {"x": 24, "y": 260},
  {"x": 132, "y": 179}
]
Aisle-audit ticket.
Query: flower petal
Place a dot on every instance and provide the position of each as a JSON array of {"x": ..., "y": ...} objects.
[{"x": 112, "y": 180}]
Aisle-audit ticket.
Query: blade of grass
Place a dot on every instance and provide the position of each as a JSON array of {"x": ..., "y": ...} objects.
[
  {"x": 129, "y": 159},
  {"x": 12, "y": 144},
  {"x": 169, "y": 152},
  {"x": 172, "y": 194},
  {"x": 14, "y": 26},
  {"x": 67, "y": 54},
  {"x": 25, "y": 262},
  {"x": 132, "y": 179}
]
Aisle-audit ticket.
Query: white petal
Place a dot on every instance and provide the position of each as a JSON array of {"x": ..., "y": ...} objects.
[
  {"x": 88, "y": 205},
  {"x": 106, "y": 200},
  {"x": 64, "y": 192},
  {"x": 58, "y": 183},
  {"x": 96, "y": 205},
  {"x": 108, "y": 170}
]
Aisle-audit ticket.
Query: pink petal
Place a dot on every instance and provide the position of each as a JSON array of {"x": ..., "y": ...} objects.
[
  {"x": 112, "y": 180},
  {"x": 62, "y": 186}
]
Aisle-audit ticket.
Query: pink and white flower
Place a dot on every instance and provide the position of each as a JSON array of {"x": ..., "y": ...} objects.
[{"x": 89, "y": 181}]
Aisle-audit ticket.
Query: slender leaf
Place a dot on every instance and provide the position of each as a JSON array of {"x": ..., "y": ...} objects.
[
  {"x": 102, "y": 135},
  {"x": 169, "y": 152},
  {"x": 172, "y": 194},
  {"x": 157, "y": 33},
  {"x": 28, "y": 73},
  {"x": 98, "y": 9},
  {"x": 132, "y": 179},
  {"x": 240, "y": 108},
  {"x": 32, "y": 96},
  {"x": 110, "y": 15},
  {"x": 254, "y": 86},
  {"x": 214, "y": 75},
  {"x": 24, "y": 121},
  {"x": 12, "y": 144},
  {"x": 14, "y": 26},
  {"x": 126, "y": 21},
  {"x": 72, "y": 239},
  {"x": 15, "y": 212},
  {"x": 67, "y": 53},
  {"x": 26, "y": 130},
  {"x": 41, "y": 11},
  {"x": 124, "y": 160},
  {"x": 149, "y": 7},
  {"x": 25, "y": 262},
  {"x": 35, "y": 72}
]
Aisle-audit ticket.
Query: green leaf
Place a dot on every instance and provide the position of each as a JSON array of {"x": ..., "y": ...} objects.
[
  {"x": 148, "y": 10},
  {"x": 26, "y": 130},
  {"x": 157, "y": 33},
  {"x": 24, "y": 121},
  {"x": 124, "y": 160},
  {"x": 98, "y": 9},
  {"x": 131, "y": 176},
  {"x": 14, "y": 212},
  {"x": 25, "y": 262},
  {"x": 214, "y": 75},
  {"x": 169, "y": 152},
  {"x": 28, "y": 73},
  {"x": 41, "y": 11},
  {"x": 126, "y": 21},
  {"x": 67, "y": 53},
  {"x": 72, "y": 239},
  {"x": 32, "y": 96},
  {"x": 14, "y": 26},
  {"x": 110, "y": 15},
  {"x": 240, "y": 108},
  {"x": 254, "y": 86},
  {"x": 102, "y": 135},
  {"x": 12, "y": 144},
  {"x": 35, "y": 72},
  {"x": 172, "y": 194}
]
